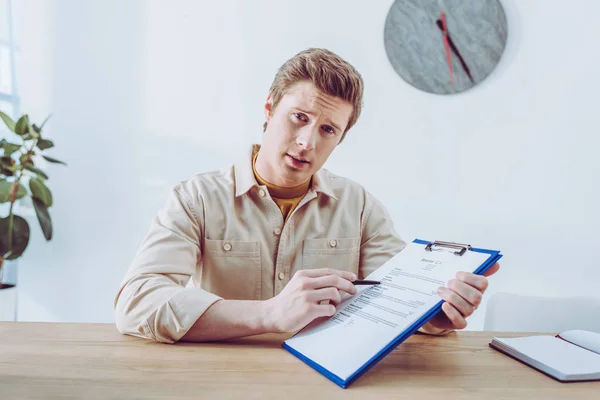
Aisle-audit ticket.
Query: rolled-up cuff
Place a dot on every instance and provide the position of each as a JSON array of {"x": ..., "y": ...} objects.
[{"x": 175, "y": 318}]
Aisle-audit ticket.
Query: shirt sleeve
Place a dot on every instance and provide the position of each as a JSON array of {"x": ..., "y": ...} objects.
[
  {"x": 379, "y": 239},
  {"x": 153, "y": 301}
]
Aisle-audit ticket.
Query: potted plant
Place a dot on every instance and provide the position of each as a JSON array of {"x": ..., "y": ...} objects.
[{"x": 18, "y": 172}]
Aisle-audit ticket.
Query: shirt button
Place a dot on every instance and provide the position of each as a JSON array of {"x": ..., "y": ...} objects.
[
  {"x": 281, "y": 276},
  {"x": 332, "y": 243},
  {"x": 277, "y": 231},
  {"x": 262, "y": 193},
  {"x": 227, "y": 246}
]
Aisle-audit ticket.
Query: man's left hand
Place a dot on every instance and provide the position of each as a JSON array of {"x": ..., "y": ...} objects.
[{"x": 462, "y": 297}]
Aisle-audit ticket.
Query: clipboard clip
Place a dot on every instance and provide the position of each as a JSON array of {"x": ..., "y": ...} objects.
[{"x": 462, "y": 247}]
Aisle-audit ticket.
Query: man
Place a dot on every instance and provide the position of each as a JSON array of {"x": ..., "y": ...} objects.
[{"x": 271, "y": 242}]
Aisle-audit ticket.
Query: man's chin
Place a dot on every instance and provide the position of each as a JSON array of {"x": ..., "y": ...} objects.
[{"x": 291, "y": 174}]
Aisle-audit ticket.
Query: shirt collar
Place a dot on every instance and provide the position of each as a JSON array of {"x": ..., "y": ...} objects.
[
  {"x": 245, "y": 179},
  {"x": 244, "y": 176},
  {"x": 322, "y": 183}
]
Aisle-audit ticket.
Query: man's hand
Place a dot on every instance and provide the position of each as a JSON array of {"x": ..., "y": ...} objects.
[
  {"x": 462, "y": 297},
  {"x": 299, "y": 302}
]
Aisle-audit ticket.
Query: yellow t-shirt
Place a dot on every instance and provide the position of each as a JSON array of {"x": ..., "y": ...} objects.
[{"x": 286, "y": 198}]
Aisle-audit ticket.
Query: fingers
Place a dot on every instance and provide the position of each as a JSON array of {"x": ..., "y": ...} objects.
[
  {"x": 469, "y": 293},
  {"x": 479, "y": 282},
  {"x": 332, "y": 281},
  {"x": 327, "y": 293},
  {"x": 459, "y": 303},
  {"x": 316, "y": 273},
  {"x": 323, "y": 310},
  {"x": 463, "y": 295},
  {"x": 458, "y": 321},
  {"x": 492, "y": 270}
]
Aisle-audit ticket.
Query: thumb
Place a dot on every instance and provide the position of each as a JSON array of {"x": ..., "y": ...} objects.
[{"x": 492, "y": 270}]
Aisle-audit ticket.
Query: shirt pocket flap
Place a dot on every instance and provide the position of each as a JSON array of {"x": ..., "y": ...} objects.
[
  {"x": 232, "y": 269},
  {"x": 331, "y": 245},
  {"x": 232, "y": 248}
]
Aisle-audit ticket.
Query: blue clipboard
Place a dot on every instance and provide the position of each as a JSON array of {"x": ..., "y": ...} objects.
[{"x": 345, "y": 383}]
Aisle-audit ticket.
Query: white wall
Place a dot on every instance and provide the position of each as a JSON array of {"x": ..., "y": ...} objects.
[{"x": 146, "y": 93}]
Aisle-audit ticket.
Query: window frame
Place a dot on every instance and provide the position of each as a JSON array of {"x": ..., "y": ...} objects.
[{"x": 13, "y": 97}]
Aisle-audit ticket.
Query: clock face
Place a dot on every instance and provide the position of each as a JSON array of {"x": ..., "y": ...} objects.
[{"x": 445, "y": 46}]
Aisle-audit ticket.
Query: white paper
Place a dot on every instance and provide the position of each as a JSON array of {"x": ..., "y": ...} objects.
[
  {"x": 554, "y": 354},
  {"x": 366, "y": 323}
]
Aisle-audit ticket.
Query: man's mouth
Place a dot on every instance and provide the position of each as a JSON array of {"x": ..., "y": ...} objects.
[{"x": 298, "y": 158}]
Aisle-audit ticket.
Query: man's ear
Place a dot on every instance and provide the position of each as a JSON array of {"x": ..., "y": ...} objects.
[{"x": 268, "y": 108}]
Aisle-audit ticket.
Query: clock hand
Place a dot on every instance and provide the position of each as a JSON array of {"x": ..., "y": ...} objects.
[
  {"x": 442, "y": 25},
  {"x": 462, "y": 61}
]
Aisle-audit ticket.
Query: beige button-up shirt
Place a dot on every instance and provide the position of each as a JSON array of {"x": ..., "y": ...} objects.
[{"x": 221, "y": 236}]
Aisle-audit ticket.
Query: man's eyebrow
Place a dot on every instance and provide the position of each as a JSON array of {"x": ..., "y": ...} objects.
[{"x": 328, "y": 121}]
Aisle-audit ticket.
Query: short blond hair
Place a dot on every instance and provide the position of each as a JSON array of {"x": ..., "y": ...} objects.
[{"x": 328, "y": 72}]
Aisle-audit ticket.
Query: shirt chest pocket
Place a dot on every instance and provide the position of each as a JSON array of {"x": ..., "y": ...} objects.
[
  {"x": 231, "y": 269},
  {"x": 335, "y": 253}
]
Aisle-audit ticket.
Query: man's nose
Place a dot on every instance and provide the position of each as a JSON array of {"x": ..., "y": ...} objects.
[{"x": 307, "y": 138}]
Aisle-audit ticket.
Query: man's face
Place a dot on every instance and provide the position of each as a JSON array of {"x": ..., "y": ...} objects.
[{"x": 302, "y": 132}]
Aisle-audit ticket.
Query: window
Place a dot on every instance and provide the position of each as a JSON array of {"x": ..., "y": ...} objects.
[{"x": 9, "y": 99}]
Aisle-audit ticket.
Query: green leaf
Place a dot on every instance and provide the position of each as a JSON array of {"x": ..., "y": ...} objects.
[
  {"x": 40, "y": 191},
  {"x": 54, "y": 160},
  {"x": 25, "y": 159},
  {"x": 20, "y": 236},
  {"x": 8, "y": 121},
  {"x": 5, "y": 191},
  {"x": 36, "y": 171},
  {"x": 32, "y": 132},
  {"x": 22, "y": 125},
  {"x": 44, "y": 217},
  {"x": 44, "y": 144},
  {"x": 9, "y": 148}
]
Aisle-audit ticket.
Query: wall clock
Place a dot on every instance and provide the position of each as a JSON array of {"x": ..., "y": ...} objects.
[{"x": 445, "y": 46}]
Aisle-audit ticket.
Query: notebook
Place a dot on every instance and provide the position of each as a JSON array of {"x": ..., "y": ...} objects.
[
  {"x": 369, "y": 325},
  {"x": 567, "y": 357}
]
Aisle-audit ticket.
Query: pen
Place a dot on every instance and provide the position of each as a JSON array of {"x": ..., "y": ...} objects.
[{"x": 365, "y": 282}]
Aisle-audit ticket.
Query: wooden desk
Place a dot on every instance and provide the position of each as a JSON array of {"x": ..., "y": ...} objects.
[{"x": 46, "y": 361}]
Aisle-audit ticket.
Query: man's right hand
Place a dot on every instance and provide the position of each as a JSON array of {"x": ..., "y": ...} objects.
[{"x": 300, "y": 301}]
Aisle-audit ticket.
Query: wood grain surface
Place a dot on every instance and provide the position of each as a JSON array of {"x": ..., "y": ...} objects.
[{"x": 94, "y": 361}]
